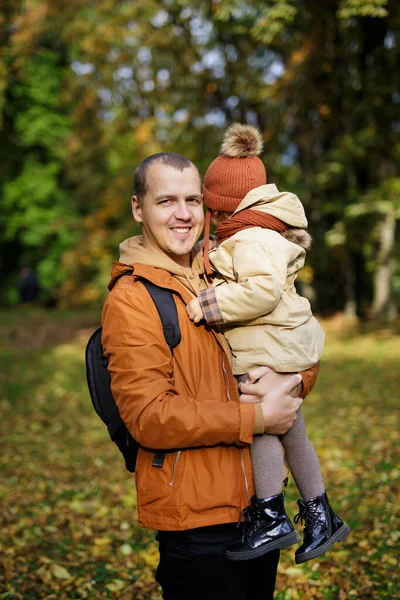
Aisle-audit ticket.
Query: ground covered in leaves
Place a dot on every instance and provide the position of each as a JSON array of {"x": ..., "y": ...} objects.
[{"x": 68, "y": 525}]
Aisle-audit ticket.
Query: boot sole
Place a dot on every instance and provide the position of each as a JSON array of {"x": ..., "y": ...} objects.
[
  {"x": 339, "y": 536},
  {"x": 288, "y": 540}
]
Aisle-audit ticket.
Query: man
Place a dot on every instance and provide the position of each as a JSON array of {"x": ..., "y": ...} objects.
[
  {"x": 28, "y": 285},
  {"x": 186, "y": 403}
]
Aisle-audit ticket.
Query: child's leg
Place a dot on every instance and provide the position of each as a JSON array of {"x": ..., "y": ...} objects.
[
  {"x": 303, "y": 461},
  {"x": 267, "y": 525},
  {"x": 267, "y": 460},
  {"x": 322, "y": 526}
]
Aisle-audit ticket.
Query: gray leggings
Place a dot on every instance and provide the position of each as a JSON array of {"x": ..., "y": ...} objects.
[{"x": 267, "y": 459}]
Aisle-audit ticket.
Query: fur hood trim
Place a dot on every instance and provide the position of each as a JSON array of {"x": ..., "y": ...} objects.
[{"x": 301, "y": 237}]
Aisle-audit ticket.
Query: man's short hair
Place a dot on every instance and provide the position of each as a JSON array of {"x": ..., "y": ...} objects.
[{"x": 170, "y": 159}]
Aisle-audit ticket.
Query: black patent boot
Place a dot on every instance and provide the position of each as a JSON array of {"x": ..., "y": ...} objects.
[
  {"x": 267, "y": 527},
  {"x": 323, "y": 528}
]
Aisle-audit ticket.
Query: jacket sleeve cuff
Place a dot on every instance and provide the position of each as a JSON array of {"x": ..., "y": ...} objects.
[
  {"x": 309, "y": 379},
  {"x": 209, "y": 304},
  {"x": 247, "y": 418},
  {"x": 259, "y": 426}
]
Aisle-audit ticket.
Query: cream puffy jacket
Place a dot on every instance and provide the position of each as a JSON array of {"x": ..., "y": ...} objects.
[{"x": 264, "y": 319}]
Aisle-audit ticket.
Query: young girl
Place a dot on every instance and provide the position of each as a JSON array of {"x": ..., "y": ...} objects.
[{"x": 262, "y": 243}]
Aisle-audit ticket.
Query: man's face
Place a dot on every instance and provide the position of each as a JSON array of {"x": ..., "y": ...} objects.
[{"x": 171, "y": 213}]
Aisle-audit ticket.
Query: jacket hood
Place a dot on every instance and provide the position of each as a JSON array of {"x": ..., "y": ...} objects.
[
  {"x": 132, "y": 251},
  {"x": 283, "y": 205}
]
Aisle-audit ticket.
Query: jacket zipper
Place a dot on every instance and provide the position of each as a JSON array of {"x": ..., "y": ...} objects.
[
  {"x": 174, "y": 468},
  {"x": 226, "y": 378},
  {"x": 246, "y": 484}
]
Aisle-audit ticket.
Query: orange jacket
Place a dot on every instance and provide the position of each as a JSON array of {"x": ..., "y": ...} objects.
[{"x": 187, "y": 403}]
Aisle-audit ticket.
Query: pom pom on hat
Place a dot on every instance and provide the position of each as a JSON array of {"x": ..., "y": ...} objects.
[
  {"x": 241, "y": 141},
  {"x": 235, "y": 172}
]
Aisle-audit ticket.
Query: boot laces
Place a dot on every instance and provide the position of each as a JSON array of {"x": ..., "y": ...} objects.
[
  {"x": 246, "y": 514},
  {"x": 251, "y": 515},
  {"x": 306, "y": 515}
]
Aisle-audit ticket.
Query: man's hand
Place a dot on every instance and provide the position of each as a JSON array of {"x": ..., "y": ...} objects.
[
  {"x": 267, "y": 379},
  {"x": 195, "y": 311},
  {"x": 278, "y": 406}
]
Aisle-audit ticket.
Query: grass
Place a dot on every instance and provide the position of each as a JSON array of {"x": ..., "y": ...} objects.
[{"x": 68, "y": 507}]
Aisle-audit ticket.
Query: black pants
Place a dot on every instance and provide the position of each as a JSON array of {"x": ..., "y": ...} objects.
[{"x": 193, "y": 566}]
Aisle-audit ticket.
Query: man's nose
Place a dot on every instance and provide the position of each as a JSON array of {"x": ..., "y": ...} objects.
[{"x": 182, "y": 212}]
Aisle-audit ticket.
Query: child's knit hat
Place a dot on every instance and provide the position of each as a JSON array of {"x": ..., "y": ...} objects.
[
  {"x": 236, "y": 171},
  {"x": 230, "y": 177}
]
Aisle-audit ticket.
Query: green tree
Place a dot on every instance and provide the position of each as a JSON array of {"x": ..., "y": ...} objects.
[
  {"x": 320, "y": 79},
  {"x": 40, "y": 223}
]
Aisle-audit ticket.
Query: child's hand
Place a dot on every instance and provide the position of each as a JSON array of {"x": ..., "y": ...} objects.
[{"x": 195, "y": 311}]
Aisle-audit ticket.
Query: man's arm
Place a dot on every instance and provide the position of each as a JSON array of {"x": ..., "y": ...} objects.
[{"x": 142, "y": 381}]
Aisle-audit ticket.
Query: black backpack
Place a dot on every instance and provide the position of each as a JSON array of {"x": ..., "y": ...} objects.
[{"x": 99, "y": 380}]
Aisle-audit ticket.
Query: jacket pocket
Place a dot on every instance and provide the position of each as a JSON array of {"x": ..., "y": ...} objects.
[{"x": 156, "y": 483}]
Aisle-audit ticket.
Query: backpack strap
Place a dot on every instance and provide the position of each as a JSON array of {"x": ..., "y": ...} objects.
[
  {"x": 166, "y": 308},
  {"x": 165, "y": 304}
]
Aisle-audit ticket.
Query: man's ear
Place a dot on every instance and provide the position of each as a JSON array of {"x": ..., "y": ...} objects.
[{"x": 136, "y": 209}]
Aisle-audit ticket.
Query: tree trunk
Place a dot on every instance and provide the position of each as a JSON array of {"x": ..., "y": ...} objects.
[{"x": 383, "y": 306}]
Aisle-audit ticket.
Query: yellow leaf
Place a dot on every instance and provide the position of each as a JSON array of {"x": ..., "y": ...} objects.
[
  {"x": 392, "y": 560},
  {"x": 60, "y": 572},
  {"x": 151, "y": 559},
  {"x": 294, "y": 571},
  {"x": 116, "y": 585},
  {"x": 126, "y": 549},
  {"x": 102, "y": 541},
  {"x": 129, "y": 501}
]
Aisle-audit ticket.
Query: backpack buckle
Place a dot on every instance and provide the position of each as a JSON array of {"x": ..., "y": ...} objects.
[{"x": 158, "y": 459}]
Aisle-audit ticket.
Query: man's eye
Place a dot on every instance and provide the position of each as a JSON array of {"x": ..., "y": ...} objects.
[
  {"x": 165, "y": 201},
  {"x": 194, "y": 200}
]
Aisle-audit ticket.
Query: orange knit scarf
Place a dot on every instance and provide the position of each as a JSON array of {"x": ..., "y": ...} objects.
[{"x": 242, "y": 220}]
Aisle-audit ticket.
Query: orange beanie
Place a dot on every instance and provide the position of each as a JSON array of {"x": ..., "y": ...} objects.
[{"x": 235, "y": 172}]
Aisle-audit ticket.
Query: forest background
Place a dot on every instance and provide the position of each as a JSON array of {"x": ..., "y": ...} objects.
[{"x": 88, "y": 89}]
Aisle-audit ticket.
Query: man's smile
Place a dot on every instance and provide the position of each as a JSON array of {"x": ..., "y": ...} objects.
[{"x": 181, "y": 230}]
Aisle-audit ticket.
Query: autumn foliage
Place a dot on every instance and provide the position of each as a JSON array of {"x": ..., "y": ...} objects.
[
  {"x": 89, "y": 89},
  {"x": 68, "y": 519}
]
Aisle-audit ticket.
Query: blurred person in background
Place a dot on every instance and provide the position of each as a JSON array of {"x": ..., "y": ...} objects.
[{"x": 28, "y": 285}]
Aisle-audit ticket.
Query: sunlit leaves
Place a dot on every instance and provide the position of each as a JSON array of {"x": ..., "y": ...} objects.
[
  {"x": 68, "y": 506},
  {"x": 361, "y": 8}
]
